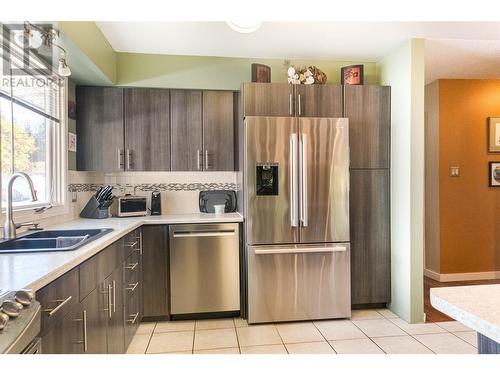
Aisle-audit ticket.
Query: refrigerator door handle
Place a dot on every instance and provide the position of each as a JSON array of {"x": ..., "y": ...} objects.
[
  {"x": 303, "y": 182},
  {"x": 293, "y": 181},
  {"x": 271, "y": 250}
]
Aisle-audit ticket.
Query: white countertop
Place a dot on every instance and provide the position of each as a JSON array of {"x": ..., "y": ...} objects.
[
  {"x": 476, "y": 306},
  {"x": 35, "y": 270}
]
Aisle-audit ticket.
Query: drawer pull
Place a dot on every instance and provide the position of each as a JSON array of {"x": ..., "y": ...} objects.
[
  {"x": 62, "y": 302},
  {"x": 134, "y": 319},
  {"x": 132, "y": 244},
  {"x": 132, "y": 287},
  {"x": 132, "y": 266}
]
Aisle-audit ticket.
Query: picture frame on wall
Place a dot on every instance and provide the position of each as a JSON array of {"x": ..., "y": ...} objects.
[
  {"x": 494, "y": 134},
  {"x": 261, "y": 73},
  {"x": 352, "y": 75},
  {"x": 494, "y": 171}
]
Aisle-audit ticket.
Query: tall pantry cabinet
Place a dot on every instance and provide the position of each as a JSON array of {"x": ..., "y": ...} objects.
[{"x": 369, "y": 111}]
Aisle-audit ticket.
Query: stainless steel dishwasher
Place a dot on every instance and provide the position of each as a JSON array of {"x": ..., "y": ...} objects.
[{"x": 204, "y": 268}]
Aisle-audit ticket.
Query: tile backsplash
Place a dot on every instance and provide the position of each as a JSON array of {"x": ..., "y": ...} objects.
[{"x": 179, "y": 190}]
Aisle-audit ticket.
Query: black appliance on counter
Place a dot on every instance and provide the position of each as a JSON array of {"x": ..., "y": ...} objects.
[
  {"x": 208, "y": 199},
  {"x": 155, "y": 203}
]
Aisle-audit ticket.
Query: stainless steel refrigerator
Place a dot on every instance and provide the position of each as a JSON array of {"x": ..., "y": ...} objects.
[{"x": 296, "y": 202}]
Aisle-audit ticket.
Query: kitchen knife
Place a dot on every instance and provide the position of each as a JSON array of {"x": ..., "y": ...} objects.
[{"x": 98, "y": 191}]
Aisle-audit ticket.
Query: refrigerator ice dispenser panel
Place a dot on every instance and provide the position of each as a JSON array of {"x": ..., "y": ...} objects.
[{"x": 267, "y": 179}]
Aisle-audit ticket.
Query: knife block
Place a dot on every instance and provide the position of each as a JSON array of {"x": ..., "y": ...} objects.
[{"x": 93, "y": 211}]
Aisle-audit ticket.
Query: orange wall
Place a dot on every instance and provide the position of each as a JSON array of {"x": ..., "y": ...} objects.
[{"x": 469, "y": 209}]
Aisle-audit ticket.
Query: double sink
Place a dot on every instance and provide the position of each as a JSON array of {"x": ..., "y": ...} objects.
[{"x": 52, "y": 240}]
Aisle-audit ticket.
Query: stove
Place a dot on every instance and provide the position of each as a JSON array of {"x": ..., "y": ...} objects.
[{"x": 20, "y": 322}]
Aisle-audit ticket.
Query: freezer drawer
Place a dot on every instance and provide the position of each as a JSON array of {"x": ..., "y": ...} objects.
[
  {"x": 298, "y": 282},
  {"x": 204, "y": 268}
]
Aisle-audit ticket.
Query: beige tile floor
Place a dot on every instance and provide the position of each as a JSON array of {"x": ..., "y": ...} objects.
[{"x": 368, "y": 331}]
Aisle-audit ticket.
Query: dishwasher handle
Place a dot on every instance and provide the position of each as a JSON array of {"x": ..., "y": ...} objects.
[{"x": 217, "y": 233}]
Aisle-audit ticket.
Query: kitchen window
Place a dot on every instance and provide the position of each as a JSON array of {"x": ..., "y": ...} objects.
[{"x": 33, "y": 129}]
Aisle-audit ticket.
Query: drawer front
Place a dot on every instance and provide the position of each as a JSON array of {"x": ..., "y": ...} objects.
[
  {"x": 89, "y": 275},
  {"x": 132, "y": 316},
  {"x": 110, "y": 259},
  {"x": 298, "y": 282},
  {"x": 131, "y": 268},
  {"x": 132, "y": 242},
  {"x": 58, "y": 298}
]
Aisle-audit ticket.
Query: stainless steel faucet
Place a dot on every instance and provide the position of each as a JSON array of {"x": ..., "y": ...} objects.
[{"x": 9, "y": 228}]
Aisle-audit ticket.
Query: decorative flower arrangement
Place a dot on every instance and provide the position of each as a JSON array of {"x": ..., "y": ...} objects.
[{"x": 306, "y": 76}]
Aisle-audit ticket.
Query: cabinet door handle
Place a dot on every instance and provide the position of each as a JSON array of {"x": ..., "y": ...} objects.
[
  {"x": 198, "y": 159},
  {"x": 120, "y": 160},
  {"x": 132, "y": 266},
  {"x": 128, "y": 155},
  {"x": 84, "y": 320},
  {"x": 132, "y": 287},
  {"x": 135, "y": 316},
  {"x": 290, "y": 104},
  {"x": 62, "y": 302},
  {"x": 110, "y": 303},
  {"x": 85, "y": 331},
  {"x": 114, "y": 296},
  {"x": 300, "y": 110},
  {"x": 207, "y": 165}
]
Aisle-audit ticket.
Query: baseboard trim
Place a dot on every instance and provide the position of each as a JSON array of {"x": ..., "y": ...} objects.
[{"x": 446, "y": 277}]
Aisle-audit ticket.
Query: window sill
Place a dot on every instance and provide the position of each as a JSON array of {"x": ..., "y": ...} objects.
[{"x": 28, "y": 214}]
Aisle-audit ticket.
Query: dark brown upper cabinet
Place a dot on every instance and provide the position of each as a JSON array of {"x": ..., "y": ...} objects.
[
  {"x": 202, "y": 125},
  {"x": 369, "y": 111},
  {"x": 268, "y": 99},
  {"x": 186, "y": 125},
  {"x": 318, "y": 100},
  {"x": 218, "y": 130},
  {"x": 147, "y": 129},
  {"x": 99, "y": 126}
]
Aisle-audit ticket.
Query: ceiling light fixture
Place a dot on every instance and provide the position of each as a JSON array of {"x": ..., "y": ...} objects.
[
  {"x": 43, "y": 40},
  {"x": 245, "y": 26},
  {"x": 63, "y": 68}
]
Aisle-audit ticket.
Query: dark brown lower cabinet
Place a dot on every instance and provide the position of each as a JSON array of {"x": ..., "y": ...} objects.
[
  {"x": 91, "y": 323},
  {"x": 107, "y": 314},
  {"x": 370, "y": 237},
  {"x": 115, "y": 328},
  {"x": 63, "y": 337},
  {"x": 155, "y": 298}
]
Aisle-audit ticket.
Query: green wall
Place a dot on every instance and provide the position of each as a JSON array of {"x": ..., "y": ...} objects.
[
  {"x": 403, "y": 70},
  {"x": 92, "y": 43},
  {"x": 223, "y": 73}
]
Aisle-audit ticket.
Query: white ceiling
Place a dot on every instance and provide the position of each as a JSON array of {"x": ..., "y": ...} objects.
[
  {"x": 461, "y": 58},
  {"x": 454, "y": 49}
]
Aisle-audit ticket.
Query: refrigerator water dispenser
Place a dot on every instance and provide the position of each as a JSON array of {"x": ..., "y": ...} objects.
[{"x": 267, "y": 178}]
